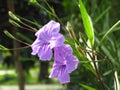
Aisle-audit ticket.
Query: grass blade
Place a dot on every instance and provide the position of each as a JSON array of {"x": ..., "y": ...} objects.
[
  {"x": 108, "y": 32},
  {"x": 87, "y": 87}
]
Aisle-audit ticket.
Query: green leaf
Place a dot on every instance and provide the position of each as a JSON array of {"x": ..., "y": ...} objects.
[
  {"x": 107, "y": 72},
  {"x": 8, "y": 34},
  {"x": 86, "y": 63},
  {"x": 87, "y": 23},
  {"x": 87, "y": 87},
  {"x": 2, "y": 47},
  {"x": 102, "y": 14},
  {"x": 108, "y": 32}
]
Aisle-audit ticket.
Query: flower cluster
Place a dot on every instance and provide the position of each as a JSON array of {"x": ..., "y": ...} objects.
[{"x": 49, "y": 38}]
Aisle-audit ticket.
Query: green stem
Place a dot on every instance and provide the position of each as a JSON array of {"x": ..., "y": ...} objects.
[
  {"x": 33, "y": 29},
  {"x": 29, "y": 21},
  {"x": 12, "y": 49},
  {"x": 49, "y": 12},
  {"x": 97, "y": 72}
]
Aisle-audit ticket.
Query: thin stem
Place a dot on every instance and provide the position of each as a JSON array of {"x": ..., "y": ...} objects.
[
  {"x": 27, "y": 29},
  {"x": 84, "y": 62},
  {"x": 22, "y": 42},
  {"x": 53, "y": 13},
  {"x": 12, "y": 49},
  {"x": 29, "y": 21},
  {"x": 33, "y": 29},
  {"x": 97, "y": 72}
]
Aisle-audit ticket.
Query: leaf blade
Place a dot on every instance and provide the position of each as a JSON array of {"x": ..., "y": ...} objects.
[
  {"x": 87, "y": 23},
  {"x": 87, "y": 87}
]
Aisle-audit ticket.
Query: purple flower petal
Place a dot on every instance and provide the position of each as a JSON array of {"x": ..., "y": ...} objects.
[
  {"x": 45, "y": 53},
  {"x": 60, "y": 53},
  {"x": 63, "y": 76},
  {"x": 64, "y": 63},
  {"x": 72, "y": 63},
  {"x": 57, "y": 40},
  {"x": 48, "y": 37},
  {"x": 36, "y": 46},
  {"x": 50, "y": 28},
  {"x": 60, "y": 72},
  {"x": 55, "y": 71}
]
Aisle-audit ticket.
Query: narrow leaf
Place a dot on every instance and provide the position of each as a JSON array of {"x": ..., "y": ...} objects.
[
  {"x": 87, "y": 87},
  {"x": 88, "y": 66},
  {"x": 108, "y": 32},
  {"x": 87, "y": 23},
  {"x": 102, "y": 14}
]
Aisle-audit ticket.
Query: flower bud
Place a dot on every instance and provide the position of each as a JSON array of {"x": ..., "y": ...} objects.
[{"x": 70, "y": 30}]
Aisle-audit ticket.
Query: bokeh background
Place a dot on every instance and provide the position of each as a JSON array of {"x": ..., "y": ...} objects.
[{"x": 19, "y": 68}]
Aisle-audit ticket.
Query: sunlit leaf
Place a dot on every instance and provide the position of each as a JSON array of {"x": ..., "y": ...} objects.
[{"x": 87, "y": 23}]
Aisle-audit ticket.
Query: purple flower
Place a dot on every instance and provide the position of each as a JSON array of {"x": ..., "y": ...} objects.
[
  {"x": 48, "y": 37},
  {"x": 64, "y": 63}
]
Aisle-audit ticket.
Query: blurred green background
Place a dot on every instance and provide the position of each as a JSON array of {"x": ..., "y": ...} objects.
[{"x": 20, "y": 64}]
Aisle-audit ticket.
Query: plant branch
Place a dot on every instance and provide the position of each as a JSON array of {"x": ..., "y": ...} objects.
[{"x": 97, "y": 72}]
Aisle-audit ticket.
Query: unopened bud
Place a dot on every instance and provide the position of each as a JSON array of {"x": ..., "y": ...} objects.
[
  {"x": 14, "y": 23},
  {"x": 70, "y": 30},
  {"x": 13, "y": 16}
]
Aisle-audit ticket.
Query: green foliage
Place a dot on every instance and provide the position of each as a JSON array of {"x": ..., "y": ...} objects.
[
  {"x": 87, "y": 87},
  {"x": 109, "y": 31},
  {"x": 87, "y": 23},
  {"x": 106, "y": 40},
  {"x": 66, "y": 4}
]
